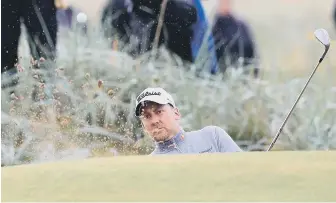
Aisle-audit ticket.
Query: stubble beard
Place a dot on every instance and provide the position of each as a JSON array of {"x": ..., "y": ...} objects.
[{"x": 160, "y": 135}]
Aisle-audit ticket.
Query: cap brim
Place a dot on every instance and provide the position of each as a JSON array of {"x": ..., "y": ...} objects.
[{"x": 155, "y": 99}]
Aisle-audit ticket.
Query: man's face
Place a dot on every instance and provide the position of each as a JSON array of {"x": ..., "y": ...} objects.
[
  {"x": 160, "y": 121},
  {"x": 224, "y": 7}
]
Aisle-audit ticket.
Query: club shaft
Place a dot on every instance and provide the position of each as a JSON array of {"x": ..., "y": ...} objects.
[{"x": 291, "y": 110}]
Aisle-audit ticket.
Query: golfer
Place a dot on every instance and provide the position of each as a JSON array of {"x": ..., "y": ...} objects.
[{"x": 160, "y": 119}]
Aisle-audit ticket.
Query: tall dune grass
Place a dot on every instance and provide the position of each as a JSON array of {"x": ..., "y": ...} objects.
[{"x": 84, "y": 104}]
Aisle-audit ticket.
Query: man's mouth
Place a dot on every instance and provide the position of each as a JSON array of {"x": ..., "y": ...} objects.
[{"x": 157, "y": 131}]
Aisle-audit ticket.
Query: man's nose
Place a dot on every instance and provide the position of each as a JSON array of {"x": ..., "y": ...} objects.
[{"x": 155, "y": 120}]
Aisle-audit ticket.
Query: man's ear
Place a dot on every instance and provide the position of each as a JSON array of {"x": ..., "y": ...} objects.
[{"x": 177, "y": 114}]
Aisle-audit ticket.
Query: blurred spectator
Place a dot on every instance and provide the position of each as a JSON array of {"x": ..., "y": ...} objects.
[
  {"x": 67, "y": 19},
  {"x": 135, "y": 22},
  {"x": 115, "y": 19},
  {"x": 233, "y": 39},
  {"x": 200, "y": 29},
  {"x": 41, "y": 30}
]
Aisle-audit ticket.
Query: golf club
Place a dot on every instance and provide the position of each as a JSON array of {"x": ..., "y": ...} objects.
[{"x": 323, "y": 36}]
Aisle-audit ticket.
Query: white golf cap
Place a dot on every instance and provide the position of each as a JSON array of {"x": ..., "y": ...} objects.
[{"x": 157, "y": 95}]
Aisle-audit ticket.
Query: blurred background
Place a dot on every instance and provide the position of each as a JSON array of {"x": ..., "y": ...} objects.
[
  {"x": 283, "y": 29},
  {"x": 81, "y": 104}
]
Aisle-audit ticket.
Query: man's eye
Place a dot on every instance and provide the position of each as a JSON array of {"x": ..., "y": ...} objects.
[
  {"x": 144, "y": 116},
  {"x": 159, "y": 112}
]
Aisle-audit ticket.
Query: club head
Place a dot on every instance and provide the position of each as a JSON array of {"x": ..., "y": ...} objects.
[{"x": 322, "y": 36}]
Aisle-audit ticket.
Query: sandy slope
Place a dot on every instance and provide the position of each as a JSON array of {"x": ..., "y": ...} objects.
[{"x": 253, "y": 176}]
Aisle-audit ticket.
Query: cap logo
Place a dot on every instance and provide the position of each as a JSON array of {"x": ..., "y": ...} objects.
[{"x": 145, "y": 94}]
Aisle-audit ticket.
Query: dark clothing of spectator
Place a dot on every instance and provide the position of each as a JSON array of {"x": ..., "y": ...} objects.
[
  {"x": 42, "y": 36},
  {"x": 136, "y": 23},
  {"x": 233, "y": 41}
]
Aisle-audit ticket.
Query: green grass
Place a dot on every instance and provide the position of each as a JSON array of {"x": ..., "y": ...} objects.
[{"x": 250, "y": 176}]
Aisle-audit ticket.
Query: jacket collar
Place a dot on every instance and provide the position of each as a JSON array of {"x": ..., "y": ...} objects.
[{"x": 171, "y": 143}]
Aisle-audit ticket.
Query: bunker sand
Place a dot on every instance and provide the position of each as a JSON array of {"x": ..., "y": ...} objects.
[{"x": 250, "y": 176}]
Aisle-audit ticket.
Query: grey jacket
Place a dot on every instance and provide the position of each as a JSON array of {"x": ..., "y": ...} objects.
[{"x": 210, "y": 139}]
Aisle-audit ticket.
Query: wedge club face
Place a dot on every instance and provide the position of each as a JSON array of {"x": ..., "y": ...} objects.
[{"x": 322, "y": 36}]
